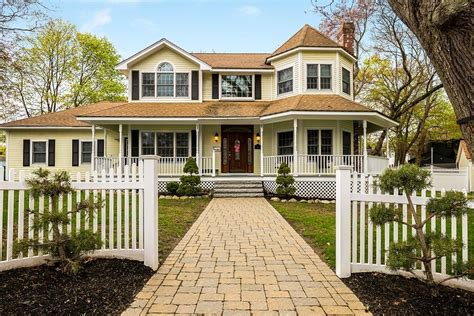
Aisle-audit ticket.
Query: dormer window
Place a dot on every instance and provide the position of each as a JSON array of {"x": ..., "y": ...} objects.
[{"x": 165, "y": 83}]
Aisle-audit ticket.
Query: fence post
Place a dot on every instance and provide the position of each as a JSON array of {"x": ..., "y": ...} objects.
[
  {"x": 150, "y": 211},
  {"x": 343, "y": 221}
]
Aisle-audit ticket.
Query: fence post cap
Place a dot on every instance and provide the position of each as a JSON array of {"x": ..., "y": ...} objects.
[
  {"x": 343, "y": 167},
  {"x": 150, "y": 157}
]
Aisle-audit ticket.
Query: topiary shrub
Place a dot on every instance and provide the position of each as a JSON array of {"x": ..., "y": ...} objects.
[
  {"x": 426, "y": 245},
  {"x": 190, "y": 182},
  {"x": 285, "y": 182},
  {"x": 172, "y": 187},
  {"x": 66, "y": 249}
]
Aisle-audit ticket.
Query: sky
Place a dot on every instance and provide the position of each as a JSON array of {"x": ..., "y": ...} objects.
[{"x": 194, "y": 25}]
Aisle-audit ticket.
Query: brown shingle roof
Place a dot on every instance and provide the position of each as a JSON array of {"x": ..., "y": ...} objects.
[
  {"x": 307, "y": 36},
  {"x": 66, "y": 118},
  {"x": 206, "y": 109},
  {"x": 235, "y": 60}
]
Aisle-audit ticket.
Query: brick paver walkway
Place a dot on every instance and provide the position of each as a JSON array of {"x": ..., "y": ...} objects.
[{"x": 241, "y": 257}]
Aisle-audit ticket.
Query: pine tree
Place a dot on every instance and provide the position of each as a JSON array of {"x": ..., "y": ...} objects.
[
  {"x": 189, "y": 185},
  {"x": 285, "y": 182}
]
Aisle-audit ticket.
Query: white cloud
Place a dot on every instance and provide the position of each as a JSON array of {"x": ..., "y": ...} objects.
[
  {"x": 250, "y": 10},
  {"x": 100, "y": 18}
]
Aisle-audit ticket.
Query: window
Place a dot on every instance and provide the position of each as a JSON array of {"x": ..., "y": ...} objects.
[
  {"x": 86, "y": 152},
  {"x": 312, "y": 76},
  {"x": 38, "y": 152},
  {"x": 236, "y": 86},
  {"x": 346, "y": 81},
  {"x": 164, "y": 144},
  {"x": 148, "y": 84},
  {"x": 326, "y": 142},
  {"x": 313, "y": 142},
  {"x": 182, "y": 144},
  {"x": 319, "y": 142},
  {"x": 148, "y": 143},
  {"x": 165, "y": 80},
  {"x": 285, "y": 143},
  {"x": 285, "y": 80},
  {"x": 182, "y": 84},
  {"x": 346, "y": 143},
  {"x": 326, "y": 77}
]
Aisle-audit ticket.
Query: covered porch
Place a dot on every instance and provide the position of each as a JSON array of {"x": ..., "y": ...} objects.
[{"x": 311, "y": 143}]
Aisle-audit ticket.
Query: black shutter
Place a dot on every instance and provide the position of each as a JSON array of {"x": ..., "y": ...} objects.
[
  {"x": 215, "y": 86},
  {"x": 75, "y": 152},
  {"x": 258, "y": 87},
  {"x": 26, "y": 152},
  {"x": 193, "y": 143},
  {"x": 135, "y": 85},
  {"x": 135, "y": 143},
  {"x": 100, "y": 148},
  {"x": 195, "y": 85},
  {"x": 51, "y": 152}
]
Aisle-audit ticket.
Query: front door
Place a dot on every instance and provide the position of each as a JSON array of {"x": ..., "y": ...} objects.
[{"x": 237, "y": 149}]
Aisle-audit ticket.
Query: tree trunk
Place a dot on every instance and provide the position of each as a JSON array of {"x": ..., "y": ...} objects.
[
  {"x": 420, "y": 147},
  {"x": 378, "y": 147},
  {"x": 444, "y": 29}
]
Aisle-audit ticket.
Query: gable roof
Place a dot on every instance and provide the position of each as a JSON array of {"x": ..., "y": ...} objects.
[
  {"x": 307, "y": 36},
  {"x": 235, "y": 60},
  {"x": 66, "y": 118},
  {"x": 465, "y": 150},
  {"x": 123, "y": 65}
]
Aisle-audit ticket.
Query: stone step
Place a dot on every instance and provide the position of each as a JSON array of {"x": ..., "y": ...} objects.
[
  {"x": 238, "y": 185},
  {"x": 219, "y": 195},
  {"x": 239, "y": 190},
  {"x": 242, "y": 182}
]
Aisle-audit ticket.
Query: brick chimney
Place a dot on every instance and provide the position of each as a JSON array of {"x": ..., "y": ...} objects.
[{"x": 345, "y": 36}]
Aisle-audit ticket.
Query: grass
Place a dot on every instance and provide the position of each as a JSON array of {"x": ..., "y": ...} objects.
[{"x": 316, "y": 223}]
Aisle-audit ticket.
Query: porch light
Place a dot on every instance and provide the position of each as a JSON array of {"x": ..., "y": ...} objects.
[
  {"x": 258, "y": 137},
  {"x": 216, "y": 137}
]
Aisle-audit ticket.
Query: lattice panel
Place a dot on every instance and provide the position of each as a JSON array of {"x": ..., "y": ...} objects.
[
  {"x": 308, "y": 189},
  {"x": 205, "y": 185}
]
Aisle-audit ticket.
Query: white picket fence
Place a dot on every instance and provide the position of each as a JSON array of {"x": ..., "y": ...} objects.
[
  {"x": 127, "y": 219},
  {"x": 367, "y": 247}
]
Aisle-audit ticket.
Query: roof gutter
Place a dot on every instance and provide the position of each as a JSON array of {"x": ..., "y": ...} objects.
[{"x": 305, "y": 48}]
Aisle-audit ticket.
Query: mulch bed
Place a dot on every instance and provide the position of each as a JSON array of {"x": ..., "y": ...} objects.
[
  {"x": 396, "y": 295},
  {"x": 103, "y": 286}
]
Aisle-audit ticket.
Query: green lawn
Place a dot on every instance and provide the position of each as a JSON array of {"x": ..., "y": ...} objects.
[{"x": 317, "y": 224}]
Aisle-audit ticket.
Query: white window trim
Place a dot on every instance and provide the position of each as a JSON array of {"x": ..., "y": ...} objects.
[
  {"x": 174, "y": 141},
  {"x": 319, "y": 63},
  {"x": 280, "y": 95},
  {"x": 80, "y": 151},
  {"x": 165, "y": 98},
  {"x": 31, "y": 152},
  {"x": 342, "y": 81},
  {"x": 319, "y": 128},
  {"x": 276, "y": 140},
  {"x": 252, "y": 98}
]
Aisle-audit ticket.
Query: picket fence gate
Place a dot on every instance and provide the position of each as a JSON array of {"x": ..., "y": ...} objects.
[
  {"x": 127, "y": 217},
  {"x": 362, "y": 246}
]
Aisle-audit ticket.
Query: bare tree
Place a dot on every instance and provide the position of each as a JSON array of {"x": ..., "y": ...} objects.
[{"x": 444, "y": 29}]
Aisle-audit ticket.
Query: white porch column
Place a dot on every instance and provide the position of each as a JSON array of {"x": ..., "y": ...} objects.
[
  {"x": 93, "y": 148},
  {"x": 261, "y": 150},
  {"x": 105, "y": 142},
  {"x": 365, "y": 146},
  {"x": 120, "y": 146},
  {"x": 388, "y": 144},
  {"x": 129, "y": 144},
  {"x": 198, "y": 152},
  {"x": 295, "y": 147}
]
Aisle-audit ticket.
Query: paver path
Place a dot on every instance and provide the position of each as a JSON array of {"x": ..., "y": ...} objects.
[{"x": 242, "y": 257}]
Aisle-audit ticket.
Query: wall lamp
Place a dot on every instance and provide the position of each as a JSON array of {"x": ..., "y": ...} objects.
[
  {"x": 258, "y": 137},
  {"x": 216, "y": 137}
]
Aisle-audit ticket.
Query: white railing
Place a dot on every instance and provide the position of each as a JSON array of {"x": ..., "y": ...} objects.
[
  {"x": 206, "y": 165},
  {"x": 323, "y": 164},
  {"x": 272, "y": 163},
  {"x": 367, "y": 247},
  {"x": 127, "y": 218}
]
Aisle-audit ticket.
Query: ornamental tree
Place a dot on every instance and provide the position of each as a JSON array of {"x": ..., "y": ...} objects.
[
  {"x": 426, "y": 246},
  {"x": 66, "y": 249},
  {"x": 190, "y": 182},
  {"x": 285, "y": 182}
]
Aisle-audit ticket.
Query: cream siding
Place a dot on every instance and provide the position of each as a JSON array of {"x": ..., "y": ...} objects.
[
  {"x": 267, "y": 83},
  {"x": 315, "y": 57},
  {"x": 346, "y": 63},
  {"x": 292, "y": 60},
  {"x": 207, "y": 86},
  {"x": 165, "y": 54}
]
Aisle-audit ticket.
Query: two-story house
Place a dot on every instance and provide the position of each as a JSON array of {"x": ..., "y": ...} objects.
[{"x": 239, "y": 114}]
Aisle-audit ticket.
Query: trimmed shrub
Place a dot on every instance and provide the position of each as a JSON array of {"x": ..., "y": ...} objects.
[
  {"x": 172, "y": 187},
  {"x": 190, "y": 182},
  {"x": 285, "y": 182}
]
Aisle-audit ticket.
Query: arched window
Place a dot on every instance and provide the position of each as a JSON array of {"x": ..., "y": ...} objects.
[{"x": 168, "y": 83}]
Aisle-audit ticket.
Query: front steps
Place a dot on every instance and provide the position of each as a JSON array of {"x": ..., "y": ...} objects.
[{"x": 241, "y": 188}]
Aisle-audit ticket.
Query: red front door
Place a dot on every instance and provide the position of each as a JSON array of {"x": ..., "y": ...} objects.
[{"x": 237, "y": 149}]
